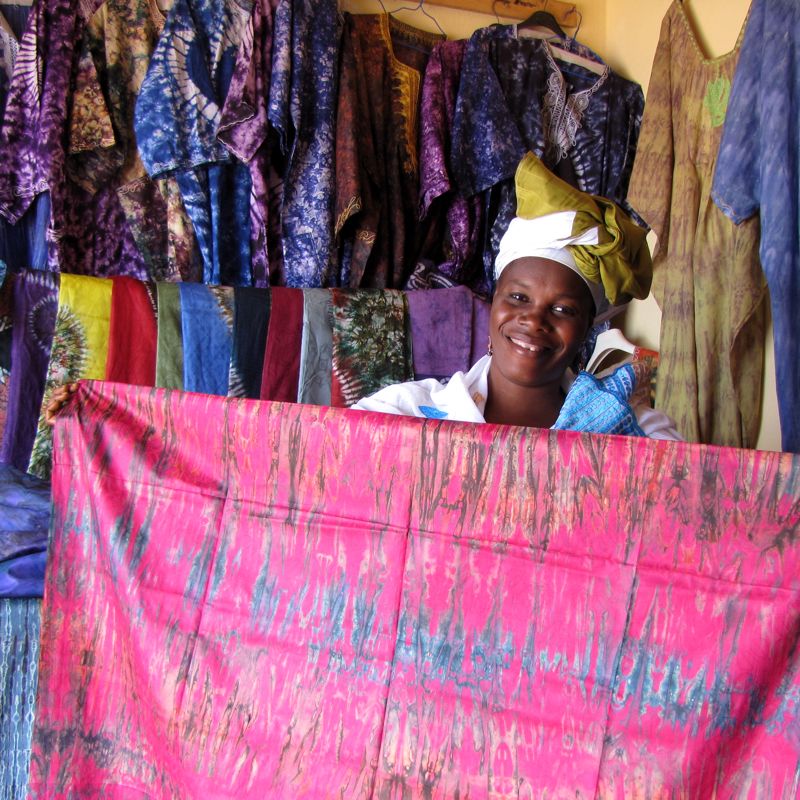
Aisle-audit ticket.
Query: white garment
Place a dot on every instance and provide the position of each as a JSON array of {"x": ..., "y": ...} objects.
[{"x": 463, "y": 399}]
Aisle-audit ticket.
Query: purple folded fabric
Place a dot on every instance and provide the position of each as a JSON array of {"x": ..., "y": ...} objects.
[{"x": 441, "y": 322}]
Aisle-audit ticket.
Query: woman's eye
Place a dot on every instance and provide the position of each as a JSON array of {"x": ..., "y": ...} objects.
[
  {"x": 567, "y": 310},
  {"x": 518, "y": 296}
]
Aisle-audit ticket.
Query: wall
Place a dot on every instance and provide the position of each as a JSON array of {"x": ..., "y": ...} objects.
[{"x": 625, "y": 33}]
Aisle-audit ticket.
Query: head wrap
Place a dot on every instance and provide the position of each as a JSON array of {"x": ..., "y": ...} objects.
[{"x": 588, "y": 234}]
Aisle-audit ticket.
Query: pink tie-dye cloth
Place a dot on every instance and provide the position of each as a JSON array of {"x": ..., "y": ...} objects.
[{"x": 252, "y": 600}]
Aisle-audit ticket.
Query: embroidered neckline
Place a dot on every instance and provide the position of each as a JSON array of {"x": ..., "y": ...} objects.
[
  {"x": 690, "y": 32},
  {"x": 563, "y": 113},
  {"x": 406, "y": 83}
]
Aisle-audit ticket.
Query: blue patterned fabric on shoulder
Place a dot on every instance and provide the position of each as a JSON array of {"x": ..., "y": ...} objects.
[{"x": 600, "y": 405}]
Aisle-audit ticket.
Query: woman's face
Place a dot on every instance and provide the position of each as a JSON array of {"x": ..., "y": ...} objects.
[{"x": 540, "y": 315}]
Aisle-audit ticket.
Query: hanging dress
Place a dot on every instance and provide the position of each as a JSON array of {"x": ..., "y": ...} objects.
[
  {"x": 302, "y": 110},
  {"x": 707, "y": 278},
  {"x": 377, "y": 159},
  {"x": 119, "y": 41},
  {"x": 176, "y": 120},
  {"x": 452, "y": 242},
  {"x": 758, "y": 172}
]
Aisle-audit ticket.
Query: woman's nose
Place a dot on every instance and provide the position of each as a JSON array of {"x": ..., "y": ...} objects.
[{"x": 536, "y": 317}]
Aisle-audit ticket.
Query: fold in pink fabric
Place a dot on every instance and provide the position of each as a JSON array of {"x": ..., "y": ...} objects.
[
  {"x": 133, "y": 333},
  {"x": 264, "y": 600},
  {"x": 284, "y": 344}
]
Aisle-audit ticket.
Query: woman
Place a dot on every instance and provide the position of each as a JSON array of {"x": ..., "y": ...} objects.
[{"x": 565, "y": 264}]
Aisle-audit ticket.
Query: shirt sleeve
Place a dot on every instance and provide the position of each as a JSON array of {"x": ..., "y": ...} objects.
[
  {"x": 650, "y": 190},
  {"x": 737, "y": 178}
]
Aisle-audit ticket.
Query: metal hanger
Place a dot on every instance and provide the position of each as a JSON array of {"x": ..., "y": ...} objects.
[{"x": 420, "y": 6}]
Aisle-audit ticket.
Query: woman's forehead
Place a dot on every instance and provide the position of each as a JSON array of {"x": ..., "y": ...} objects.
[{"x": 544, "y": 274}]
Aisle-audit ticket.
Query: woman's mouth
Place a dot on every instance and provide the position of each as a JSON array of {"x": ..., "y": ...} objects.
[{"x": 529, "y": 346}]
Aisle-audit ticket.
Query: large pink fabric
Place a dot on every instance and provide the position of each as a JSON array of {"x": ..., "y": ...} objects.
[{"x": 250, "y": 600}]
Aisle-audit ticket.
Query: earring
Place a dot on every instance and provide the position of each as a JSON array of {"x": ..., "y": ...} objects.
[{"x": 489, "y": 350}]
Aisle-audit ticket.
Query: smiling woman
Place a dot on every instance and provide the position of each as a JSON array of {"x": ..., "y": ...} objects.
[{"x": 566, "y": 263}]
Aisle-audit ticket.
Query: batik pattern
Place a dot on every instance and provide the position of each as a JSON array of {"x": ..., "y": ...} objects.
[
  {"x": 119, "y": 41},
  {"x": 707, "y": 278},
  {"x": 377, "y": 160},
  {"x": 371, "y": 344},
  {"x": 176, "y": 119},
  {"x": 20, "y": 628},
  {"x": 453, "y": 246},
  {"x": 244, "y": 127},
  {"x": 757, "y": 173},
  {"x": 79, "y": 350},
  {"x": 500, "y": 115},
  {"x": 275, "y": 600},
  {"x": 34, "y": 307},
  {"x": 302, "y": 109}
]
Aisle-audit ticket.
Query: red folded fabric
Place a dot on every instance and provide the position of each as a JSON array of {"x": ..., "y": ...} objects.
[
  {"x": 281, "y": 375},
  {"x": 132, "y": 335}
]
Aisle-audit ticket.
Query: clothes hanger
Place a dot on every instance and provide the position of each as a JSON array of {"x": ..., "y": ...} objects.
[
  {"x": 547, "y": 28},
  {"x": 420, "y": 6},
  {"x": 543, "y": 19}
]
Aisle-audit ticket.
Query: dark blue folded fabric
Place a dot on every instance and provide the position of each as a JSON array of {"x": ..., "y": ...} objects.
[
  {"x": 24, "y": 527},
  {"x": 23, "y": 576}
]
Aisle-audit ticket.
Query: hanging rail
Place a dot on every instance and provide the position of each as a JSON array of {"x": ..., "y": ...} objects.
[{"x": 565, "y": 13}]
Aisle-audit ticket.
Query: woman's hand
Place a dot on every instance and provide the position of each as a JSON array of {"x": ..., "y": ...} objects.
[{"x": 58, "y": 400}]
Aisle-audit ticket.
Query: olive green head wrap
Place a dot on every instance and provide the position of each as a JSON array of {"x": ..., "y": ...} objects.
[{"x": 608, "y": 248}]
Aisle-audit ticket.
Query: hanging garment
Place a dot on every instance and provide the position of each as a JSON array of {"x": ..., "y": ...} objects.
[
  {"x": 79, "y": 351},
  {"x": 133, "y": 333},
  {"x": 440, "y": 614},
  {"x": 119, "y": 41},
  {"x": 22, "y": 246},
  {"x": 176, "y": 120},
  {"x": 87, "y": 234},
  {"x": 19, "y": 672},
  {"x": 34, "y": 307},
  {"x": 706, "y": 275},
  {"x": 169, "y": 340},
  {"x": 250, "y": 324},
  {"x": 371, "y": 345},
  {"x": 302, "y": 109},
  {"x": 757, "y": 173},
  {"x": 207, "y": 335},
  {"x": 514, "y": 97},
  {"x": 281, "y": 372},
  {"x": 316, "y": 348},
  {"x": 36, "y": 112},
  {"x": 453, "y": 240},
  {"x": 377, "y": 160},
  {"x": 244, "y": 127}
]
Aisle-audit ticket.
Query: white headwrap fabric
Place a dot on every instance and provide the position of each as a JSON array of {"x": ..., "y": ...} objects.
[{"x": 548, "y": 237}]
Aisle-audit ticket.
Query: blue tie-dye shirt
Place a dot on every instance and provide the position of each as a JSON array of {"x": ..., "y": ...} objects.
[{"x": 176, "y": 122}]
